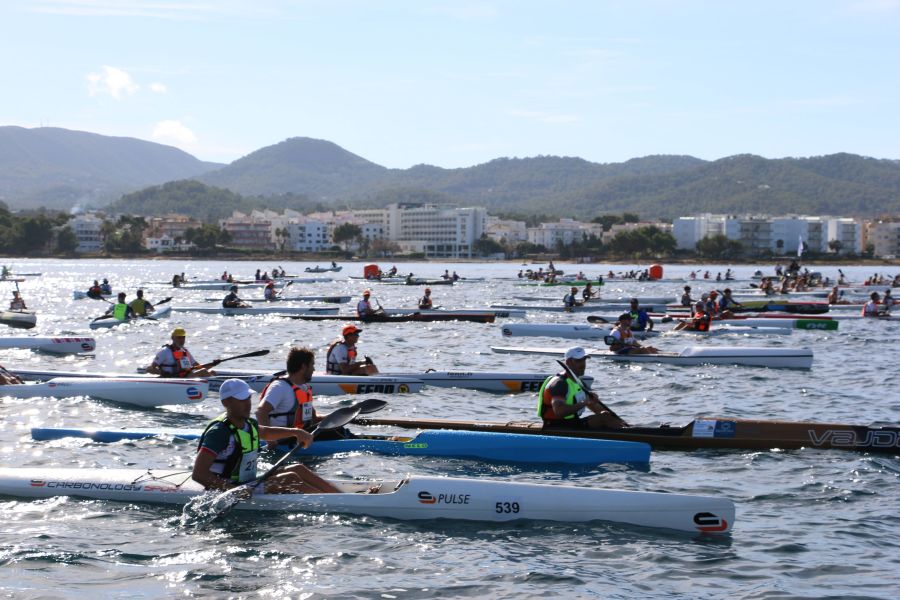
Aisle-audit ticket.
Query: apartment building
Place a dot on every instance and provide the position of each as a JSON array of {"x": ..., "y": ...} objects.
[
  {"x": 885, "y": 237},
  {"x": 87, "y": 228},
  {"x": 253, "y": 231}
]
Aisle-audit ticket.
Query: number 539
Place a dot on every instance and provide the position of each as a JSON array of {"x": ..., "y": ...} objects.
[{"x": 506, "y": 507}]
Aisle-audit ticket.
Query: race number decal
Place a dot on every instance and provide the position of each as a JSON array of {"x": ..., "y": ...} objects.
[{"x": 507, "y": 507}]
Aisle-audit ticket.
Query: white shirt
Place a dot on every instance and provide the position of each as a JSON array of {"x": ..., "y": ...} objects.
[
  {"x": 363, "y": 308},
  {"x": 280, "y": 396},
  {"x": 340, "y": 354},
  {"x": 165, "y": 360}
]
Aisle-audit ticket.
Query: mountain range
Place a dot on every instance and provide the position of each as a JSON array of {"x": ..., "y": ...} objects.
[{"x": 57, "y": 168}]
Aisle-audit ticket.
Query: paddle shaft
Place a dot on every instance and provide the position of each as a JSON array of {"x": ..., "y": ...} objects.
[
  {"x": 219, "y": 361},
  {"x": 587, "y": 390}
]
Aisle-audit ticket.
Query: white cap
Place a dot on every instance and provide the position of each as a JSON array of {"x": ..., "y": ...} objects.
[
  {"x": 235, "y": 388},
  {"x": 576, "y": 352}
]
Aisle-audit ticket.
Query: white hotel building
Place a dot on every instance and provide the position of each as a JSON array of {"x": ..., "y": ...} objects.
[{"x": 436, "y": 231}]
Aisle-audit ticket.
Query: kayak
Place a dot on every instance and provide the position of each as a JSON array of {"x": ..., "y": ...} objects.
[
  {"x": 726, "y": 329},
  {"x": 225, "y": 286},
  {"x": 110, "y": 321},
  {"x": 806, "y": 324},
  {"x": 77, "y": 295},
  {"x": 146, "y": 392},
  {"x": 256, "y": 310},
  {"x": 53, "y": 345},
  {"x": 485, "y": 381},
  {"x": 327, "y": 299},
  {"x": 506, "y": 447},
  {"x": 18, "y": 319},
  {"x": 773, "y": 358},
  {"x": 583, "y": 308},
  {"x": 411, "y": 498},
  {"x": 701, "y": 433},
  {"x": 501, "y": 313},
  {"x": 411, "y": 316},
  {"x": 806, "y": 308},
  {"x": 324, "y": 385},
  {"x": 323, "y": 269},
  {"x": 419, "y": 282},
  {"x": 642, "y": 300},
  {"x": 570, "y": 332}
]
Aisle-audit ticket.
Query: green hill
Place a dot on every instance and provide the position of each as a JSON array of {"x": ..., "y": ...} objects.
[{"x": 58, "y": 168}]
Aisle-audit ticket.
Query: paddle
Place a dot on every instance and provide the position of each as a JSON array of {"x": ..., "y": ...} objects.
[
  {"x": 223, "y": 503},
  {"x": 286, "y": 286},
  {"x": 219, "y": 361},
  {"x": 596, "y": 319},
  {"x": 586, "y": 390}
]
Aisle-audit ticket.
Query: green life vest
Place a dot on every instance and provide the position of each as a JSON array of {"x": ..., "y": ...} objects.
[
  {"x": 246, "y": 443},
  {"x": 120, "y": 310},
  {"x": 139, "y": 306},
  {"x": 571, "y": 392}
]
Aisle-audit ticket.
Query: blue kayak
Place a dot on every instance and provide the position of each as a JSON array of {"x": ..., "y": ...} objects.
[{"x": 506, "y": 447}]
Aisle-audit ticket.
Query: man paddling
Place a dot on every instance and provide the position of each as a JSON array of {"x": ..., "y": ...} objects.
[
  {"x": 623, "y": 341},
  {"x": 570, "y": 300},
  {"x": 425, "y": 302},
  {"x": 140, "y": 306},
  {"x": 364, "y": 307},
  {"x": 340, "y": 358},
  {"x": 7, "y": 378},
  {"x": 174, "y": 360},
  {"x": 873, "y": 307},
  {"x": 17, "y": 303},
  {"x": 640, "y": 319},
  {"x": 561, "y": 400},
  {"x": 229, "y": 448},
  {"x": 232, "y": 300},
  {"x": 95, "y": 291},
  {"x": 121, "y": 311},
  {"x": 270, "y": 294}
]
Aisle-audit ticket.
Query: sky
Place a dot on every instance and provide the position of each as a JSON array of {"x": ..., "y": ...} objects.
[{"x": 460, "y": 82}]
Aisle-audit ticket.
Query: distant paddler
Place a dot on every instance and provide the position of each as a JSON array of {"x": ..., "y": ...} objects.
[
  {"x": 640, "y": 319},
  {"x": 340, "y": 358},
  {"x": 141, "y": 307},
  {"x": 562, "y": 399},
  {"x": 7, "y": 378},
  {"x": 364, "y": 307},
  {"x": 175, "y": 360},
  {"x": 270, "y": 294},
  {"x": 105, "y": 287},
  {"x": 232, "y": 300},
  {"x": 834, "y": 296},
  {"x": 425, "y": 302},
  {"x": 588, "y": 292},
  {"x": 120, "y": 311},
  {"x": 874, "y": 308},
  {"x": 699, "y": 320},
  {"x": 95, "y": 291},
  {"x": 570, "y": 300},
  {"x": 17, "y": 303},
  {"x": 726, "y": 302},
  {"x": 622, "y": 341},
  {"x": 686, "y": 299}
]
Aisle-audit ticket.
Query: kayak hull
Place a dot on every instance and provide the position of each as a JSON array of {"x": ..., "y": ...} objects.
[
  {"x": 52, "y": 345},
  {"x": 413, "y": 498},
  {"x": 570, "y": 332},
  {"x": 144, "y": 392},
  {"x": 773, "y": 358},
  {"x": 502, "y": 447},
  {"x": 257, "y": 310},
  {"x": 18, "y": 319}
]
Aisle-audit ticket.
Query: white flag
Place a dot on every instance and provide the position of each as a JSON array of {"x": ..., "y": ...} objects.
[{"x": 800, "y": 247}]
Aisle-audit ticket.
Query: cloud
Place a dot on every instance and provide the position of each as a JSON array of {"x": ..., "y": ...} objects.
[
  {"x": 543, "y": 117},
  {"x": 115, "y": 82},
  {"x": 174, "y": 132},
  {"x": 159, "y": 88}
]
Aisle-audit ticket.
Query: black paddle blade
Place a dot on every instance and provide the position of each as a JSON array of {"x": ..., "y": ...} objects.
[
  {"x": 337, "y": 418},
  {"x": 596, "y": 319},
  {"x": 369, "y": 406}
]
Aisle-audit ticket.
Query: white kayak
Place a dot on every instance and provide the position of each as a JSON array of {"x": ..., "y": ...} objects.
[
  {"x": 773, "y": 358},
  {"x": 485, "y": 381},
  {"x": 53, "y": 345},
  {"x": 79, "y": 295},
  {"x": 328, "y": 299},
  {"x": 146, "y": 392},
  {"x": 18, "y": 319},
  {"x": 225, "y": 286},
  {"x": 591, "y": 307},
  {"x": 323, "y": 385},
  {"x": 495, "y": 312},
  {"x": 796, "y": 323},
  {"x": 726, "y": 329},
  {"x": 642, "y": 300},
  {"x": 258, "y": 310},
  {"x": 412, "y": 498},
  {"x": 569, "y": 332},
  {"x": 110, "y": 321}
]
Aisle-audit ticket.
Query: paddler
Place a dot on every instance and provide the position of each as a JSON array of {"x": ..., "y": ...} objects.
[
  {"x": 686, "y": 299},
  {"x": 623, "y": 341},
  {"x": 270, "y": 294},
  {"x": 570, "y": 300},
  {"x": 288, "y": 401},
  {"x": 340, "y": 358},
  {"x": 887, "y": 301},
  {"x": 561, "y": 401},
  {"x": 364, "y": 307},
  {"x": 17, "y": 303},
  {"x": 872, "y": 308},
  {"x": 699, "y": 319},
  {"x": 588, "y": 292},
  {"x": 232, "y": 300},
  {"x": 229, "y": 448},
  {"x": 174, "y": 360},
  {"x": 425, "y": 302},
  {"x": 141, "y": 307},
  {"x": 640, "y": 320},
  {"x": 95, "y": 291},
  {"x": 105, "y": 287},
  {"x": 726, "y": 302},
  {"x": 121, "y": 311}
]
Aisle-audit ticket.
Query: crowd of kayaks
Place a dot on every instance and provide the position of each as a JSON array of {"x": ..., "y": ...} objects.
[{"x": 455, "y": 498}]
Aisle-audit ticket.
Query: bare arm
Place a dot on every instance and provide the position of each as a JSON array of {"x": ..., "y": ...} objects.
[
  {"x": 202, "y": 474},
  {"x": 268, "y": 433}
]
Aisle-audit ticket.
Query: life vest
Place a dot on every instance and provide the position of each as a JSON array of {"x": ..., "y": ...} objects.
[
  {"x": 183, "y": 363},
  {"x": 120, "y": 311},
  {"x": 333, "y": 368},
  {"x": 240, "y": 465},
  {"x": 574, "y": 394},
  {"x": 95, "y": 292},
  {"x": 139, "y": 306},
  {"x": 302, "y": 418},
  {"x": 639, "y": 318},
  {"x": 701, "y": 322}
]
